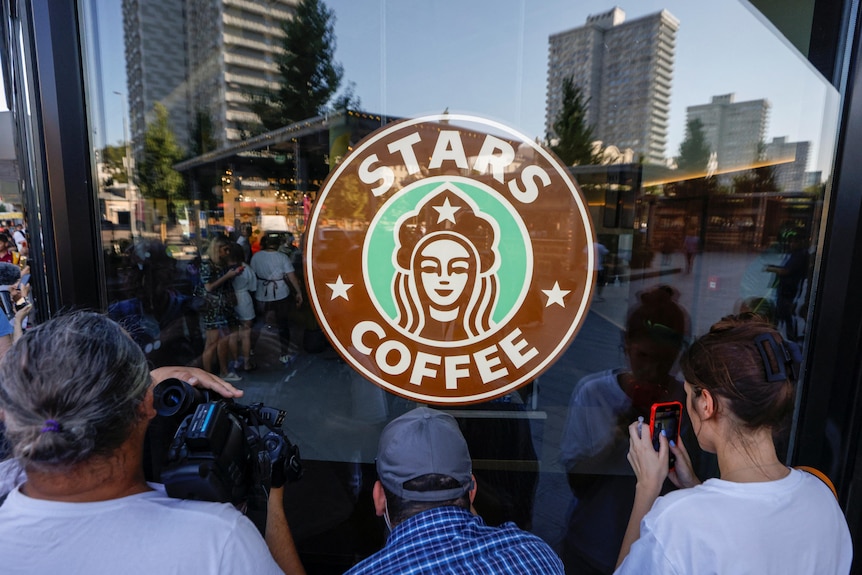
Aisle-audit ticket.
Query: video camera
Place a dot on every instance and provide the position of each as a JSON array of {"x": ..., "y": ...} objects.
[{"x": 220, "y": 450}]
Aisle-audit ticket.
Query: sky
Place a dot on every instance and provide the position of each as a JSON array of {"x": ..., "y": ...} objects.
[{"x": 489, "y": 58}]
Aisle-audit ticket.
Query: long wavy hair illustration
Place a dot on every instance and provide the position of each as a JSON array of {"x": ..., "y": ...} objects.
[{"x": 446, "y": 283}]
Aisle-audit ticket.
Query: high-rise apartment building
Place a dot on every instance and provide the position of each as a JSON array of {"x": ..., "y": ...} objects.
[
  {"x": 791, "y": 161},
  {"x": 156, "y": 71},
  {"x": 201, "y": 58},
  {"x": 733, "y": 130},
  {"x": 625, "y": 69},
  {"x": 233, "y": 59}
]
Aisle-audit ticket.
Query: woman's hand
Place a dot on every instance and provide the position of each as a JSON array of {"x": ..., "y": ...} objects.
[
  {"x": 649, "y": 466},
  {"x": 682, "y": 474},
  {"x": 196, "y": 377}
]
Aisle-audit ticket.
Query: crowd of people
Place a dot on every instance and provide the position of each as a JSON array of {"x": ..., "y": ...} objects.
[
  {"x": 76, "y": 400},
  {"x": 15, "y": 299},
  {"x": 234, "y": 288},
  {"x": 76, "y": 396},
  {"x": 213, "y": 309}
]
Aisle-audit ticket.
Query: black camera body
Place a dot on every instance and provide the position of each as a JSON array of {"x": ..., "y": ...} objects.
[{"x": 221, "y": 450}]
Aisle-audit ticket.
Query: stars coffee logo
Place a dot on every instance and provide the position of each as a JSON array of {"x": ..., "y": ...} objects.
[{"x": 450, "y": 259}]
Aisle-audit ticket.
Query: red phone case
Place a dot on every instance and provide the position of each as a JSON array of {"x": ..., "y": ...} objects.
[{"x": 661, "y": 408}]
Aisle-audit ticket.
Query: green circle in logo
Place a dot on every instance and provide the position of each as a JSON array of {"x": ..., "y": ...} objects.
[{"x": 511, "y": 243}]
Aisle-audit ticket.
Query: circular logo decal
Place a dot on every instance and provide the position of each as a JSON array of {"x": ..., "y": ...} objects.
[{"x": 450, "y": 259}]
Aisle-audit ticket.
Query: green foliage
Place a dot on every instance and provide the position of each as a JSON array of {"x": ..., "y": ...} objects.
[
  {"x": 202, "y": 137},
  {"x": 309, "y": 76},
  {"x": 155, "y": 173},
  {"x": 574, "y": 136},
  {"x": 693, "y": 151},
  {"x": 112, "y": 158},
  {"x": 757, "y": 180},
  {"x": 348, "y": 100}
]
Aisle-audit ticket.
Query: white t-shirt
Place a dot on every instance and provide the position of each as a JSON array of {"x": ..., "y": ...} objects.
[
  {"x": 271, "y": 267},
  {"x": 793, "y": 525},
  {"x": 592, "y": 441},
  {"x": 20, "y": 240},
  {"x": 143, "y": 534}
]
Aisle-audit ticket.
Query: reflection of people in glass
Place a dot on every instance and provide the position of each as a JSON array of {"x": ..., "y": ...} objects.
[
  {"x": 595, "y": 437},
  {"x": 446, "y": 283},
  {"x": 218, "y": 313},
  {"x": 790, "y": 278},
  {"x": 156, "y": 313}
]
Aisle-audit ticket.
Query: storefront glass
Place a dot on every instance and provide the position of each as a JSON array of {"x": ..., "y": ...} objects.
[{"x": 715, "y": 140}]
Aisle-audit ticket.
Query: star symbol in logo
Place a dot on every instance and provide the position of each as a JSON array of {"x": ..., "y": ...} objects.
[
  {"x": 339, "y": 289},
  {"x": 446, "y": 211},
  {"x": 556, "y": 295}
]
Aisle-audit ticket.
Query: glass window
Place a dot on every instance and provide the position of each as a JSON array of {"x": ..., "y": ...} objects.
[{"x": 706, "y": 147}]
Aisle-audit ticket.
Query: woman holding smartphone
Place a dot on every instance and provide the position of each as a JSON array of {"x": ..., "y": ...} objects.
[
  {"x": 761, "y": 516},
  {"x": 594, "y": 442}
]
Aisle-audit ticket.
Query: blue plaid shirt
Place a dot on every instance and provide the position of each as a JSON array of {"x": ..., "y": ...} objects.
[{"x": 451, "y": 540}]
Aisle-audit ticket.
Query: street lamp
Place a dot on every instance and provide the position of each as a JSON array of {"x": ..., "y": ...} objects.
[{"x": 130, "y": 188}]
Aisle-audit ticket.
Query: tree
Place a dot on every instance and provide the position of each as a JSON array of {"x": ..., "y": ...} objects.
[
  {"x": 757, "y": 180},
  {"x": 113, "y": 160},
  {"x": 203, "y": 136},
  {"x": 156, "y": 176},
  {"x": 348, "y": 100},
  {"x": 694, "y": 150},
  {"x": 693, "y": 158},
  {"x": 309, "y": 74},
  {"x": 574, "y": 144}
]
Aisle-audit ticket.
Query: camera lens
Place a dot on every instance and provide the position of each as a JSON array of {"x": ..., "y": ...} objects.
[{"x": 174, "y": 396}]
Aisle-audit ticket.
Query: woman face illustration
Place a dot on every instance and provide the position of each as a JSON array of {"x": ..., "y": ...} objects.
[{"x": 445, "y": 268}]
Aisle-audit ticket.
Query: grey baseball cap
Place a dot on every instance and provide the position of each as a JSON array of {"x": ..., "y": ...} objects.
[{"x": 420, "y": 442}]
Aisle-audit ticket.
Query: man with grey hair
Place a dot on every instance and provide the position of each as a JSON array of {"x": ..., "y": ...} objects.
[
  {"x": 425, "y": 491},
  {"x": 76, "y": 395}
]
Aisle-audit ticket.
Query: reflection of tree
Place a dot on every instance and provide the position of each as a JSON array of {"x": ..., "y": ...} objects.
[
  {"x": 155, "y": 174},
  {"x": 692, "y": 160},
  {"x": 309, "y": 76},
  {"x": 202, "y": 141},
  {"x": 113, "y": 159},
  {"x": 574, "y": 136},
  {"x": 694, "y": 150},
  {"x": 757, "y": 180},
  {"x": 348, "y": 100},
  {"x": 351, "y": 202},
  {"x": 203, "y": 136}
]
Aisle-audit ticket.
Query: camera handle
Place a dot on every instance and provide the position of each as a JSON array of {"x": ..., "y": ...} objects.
[{"x": 258, "y": 496}]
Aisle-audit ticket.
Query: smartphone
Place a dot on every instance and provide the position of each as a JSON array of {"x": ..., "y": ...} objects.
[{"x": 665, "y": 416}]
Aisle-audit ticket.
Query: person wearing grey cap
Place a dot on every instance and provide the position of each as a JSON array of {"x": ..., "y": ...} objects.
[{"x": 424, "y": 493}]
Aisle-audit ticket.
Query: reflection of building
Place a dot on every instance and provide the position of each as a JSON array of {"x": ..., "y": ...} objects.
[
  {"x": 791, "y": 159},
  {"x": 154, "y": 33},
  {"x": 192, "y": 68},
  {"x": 229, "y": 60},
  {"x": 265, "y": 179},
  {"x": 625, "y": 70},
  {"x": 10, "y": 192},
  {"x": 635, "y": 224},
  {"x": 813, "y": 179},
  {"x": 733, "y": 130},
  {"x": 736, "y": 222}
]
